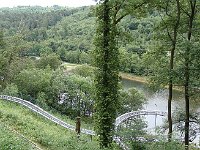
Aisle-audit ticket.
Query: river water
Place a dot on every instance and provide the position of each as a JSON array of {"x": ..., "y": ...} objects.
[
  {"x": 158, "y": 101},
  {"x": 155, "y": 100}
]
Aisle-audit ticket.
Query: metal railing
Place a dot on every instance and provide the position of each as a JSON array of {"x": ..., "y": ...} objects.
[
  {"x": 131, "y": 114},
  {"x": 47, "y": 115}
]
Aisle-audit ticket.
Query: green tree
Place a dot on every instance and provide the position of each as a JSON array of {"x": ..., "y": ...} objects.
[
  {"x": 106, "y": 82},
  {"x": 32, "y": 81},
  {"x": 11, "y": 90},
  {"x": 84, "y": 71},
  {"x": 10, "y": 55},
  {"x": 109, "y": 14},
  {"x": 170, "y": 23},
  {"x": 131, "y": 100},
  {"x": 179, "y": 22},
  {"x": 76, "y": 93},
  {"x": 52, "y": 60},
  {"x": 192, "y": 10},
  {"x": 2, "y": 44},
  {"x": 2, "y": 60}
]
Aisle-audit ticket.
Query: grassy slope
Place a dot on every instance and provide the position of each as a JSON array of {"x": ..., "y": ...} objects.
[
  {"x": 17, "y": 121},
  {"x": 9, "y": 139}
]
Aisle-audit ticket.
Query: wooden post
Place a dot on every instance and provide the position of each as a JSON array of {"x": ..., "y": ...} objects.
[
  {"x": 91, "y": 137},
  {"x": 78, "y": 126}
]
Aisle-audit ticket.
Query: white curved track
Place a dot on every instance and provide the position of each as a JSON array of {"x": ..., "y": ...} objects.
[
  {"x": 131, "y": 114},
  {"x": 47, "y": 115}
]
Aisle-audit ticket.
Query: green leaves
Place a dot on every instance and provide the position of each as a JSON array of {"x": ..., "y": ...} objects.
[
  {"x": 11, "y": 90},
  {"x": 52, "y": 60},
  {"x": 32, "y": 81},
  {"x": 106, "y": 77}
]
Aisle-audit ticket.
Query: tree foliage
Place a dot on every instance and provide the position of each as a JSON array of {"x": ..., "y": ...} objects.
[
  {"x": 137, "y": 36},
  {"x": 52, "y": 60},
  {"x": 106, "y": 80},
  {"x": 32, "y": 81}
]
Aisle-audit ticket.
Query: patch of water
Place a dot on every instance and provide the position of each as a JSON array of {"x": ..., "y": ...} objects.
[{"x": 158, "y": 101}]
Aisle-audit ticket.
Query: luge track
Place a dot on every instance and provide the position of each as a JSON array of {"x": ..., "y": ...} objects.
[{"x": 47, "y": 115}]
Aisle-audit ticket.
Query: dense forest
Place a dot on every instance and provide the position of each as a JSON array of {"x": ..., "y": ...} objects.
[
  {"x": 69, "y": 33},
  {"x": 68, "y": 60}
]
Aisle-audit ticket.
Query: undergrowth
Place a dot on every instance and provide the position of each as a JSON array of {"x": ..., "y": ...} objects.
[{"x": 46, "y": 134}]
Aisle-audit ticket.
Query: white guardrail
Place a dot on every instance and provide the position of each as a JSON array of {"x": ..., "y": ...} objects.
[
  {"x": 131, "y": 114},
  {"x": 45, "y": 114},
  {"x": 128, "y": 115}
]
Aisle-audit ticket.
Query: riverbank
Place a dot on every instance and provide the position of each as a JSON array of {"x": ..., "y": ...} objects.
[
  {"x": 143, "y": 80},
  {"x": 132, "y": 77}
]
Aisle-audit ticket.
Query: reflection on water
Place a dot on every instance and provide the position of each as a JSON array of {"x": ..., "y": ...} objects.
[
  {"x": 155, "y": 100},
  {"x": 158, "y": 101}
]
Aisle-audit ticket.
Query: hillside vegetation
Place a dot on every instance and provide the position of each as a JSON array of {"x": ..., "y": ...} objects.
[
  {"x": 68, "y": 61},
  {"x": 69, "y": 33},
  {"x": 22, "y": 129}
]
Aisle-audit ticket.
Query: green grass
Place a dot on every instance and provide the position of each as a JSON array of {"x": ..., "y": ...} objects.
[
  {"x": 69, "y": 66},
  {"x": 21, "y": 129},
  {"x": 65, "y": 118},
  {"x": 44, "y": 133},
  {"x": 9, "y": 139}
]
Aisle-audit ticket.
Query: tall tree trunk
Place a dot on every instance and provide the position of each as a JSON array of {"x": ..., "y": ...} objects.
[
  {"x": 171, "y": 67},
  {"x": 170, "y": 99},
  {"x": 187, "y": 107},
  {"x": 107, "y": 78},
  {"x": 187, "y": 72}
]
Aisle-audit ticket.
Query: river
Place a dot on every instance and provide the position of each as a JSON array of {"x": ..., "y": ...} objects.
[
  {"x": 155, "y": 100},
  {"x": 158, "y": 101}
]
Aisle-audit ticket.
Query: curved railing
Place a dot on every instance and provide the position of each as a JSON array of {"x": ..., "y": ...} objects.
[
  {"x": 118, "y": 120},
  {"x": 45, "y": 114},
  {"x": 131, "y": 114}
]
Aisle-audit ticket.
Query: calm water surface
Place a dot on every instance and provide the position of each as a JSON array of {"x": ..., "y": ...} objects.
[{"x": 158, "y": 101}]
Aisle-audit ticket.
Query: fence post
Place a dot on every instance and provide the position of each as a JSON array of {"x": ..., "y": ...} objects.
[{"x": 78, "y": 126}]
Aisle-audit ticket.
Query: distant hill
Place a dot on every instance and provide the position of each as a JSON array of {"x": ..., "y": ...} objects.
[{"x": 70, "y": 32}]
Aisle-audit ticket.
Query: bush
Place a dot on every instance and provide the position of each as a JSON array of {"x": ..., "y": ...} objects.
[
  {"x": 165, "y": 146},
  {"x": 11, "y": 90},
  {"x": 138, "y": 146},
  {"x": 51, "y": 60}
]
